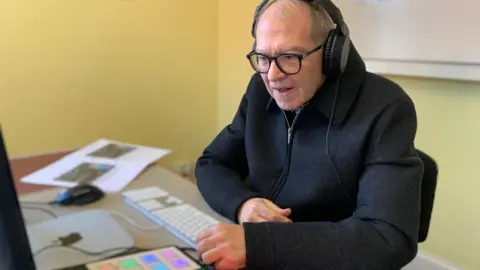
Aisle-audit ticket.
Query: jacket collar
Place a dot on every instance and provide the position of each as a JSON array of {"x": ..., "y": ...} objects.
[{"x": 348, "y": 86}]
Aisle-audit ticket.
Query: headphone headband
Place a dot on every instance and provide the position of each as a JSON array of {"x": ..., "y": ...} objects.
[{"x": 327, "y": 5}]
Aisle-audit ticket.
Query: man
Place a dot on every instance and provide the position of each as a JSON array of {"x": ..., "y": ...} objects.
[{"x": 320, "y": 171}]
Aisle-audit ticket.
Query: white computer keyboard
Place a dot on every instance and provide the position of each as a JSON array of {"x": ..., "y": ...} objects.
[{"x": 181, "y": 219}]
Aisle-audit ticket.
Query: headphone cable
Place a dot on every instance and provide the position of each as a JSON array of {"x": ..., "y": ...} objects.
[{"x": 327, "y": 145}]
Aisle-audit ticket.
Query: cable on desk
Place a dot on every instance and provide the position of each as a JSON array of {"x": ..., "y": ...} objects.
[
  {"x": 39, "y": 203},
  {"x": 129, "y": 220},
  {"x": 86, "y": 252},
  {"x": 46, "y": 211},
  {"x": 68, "y": 240}
]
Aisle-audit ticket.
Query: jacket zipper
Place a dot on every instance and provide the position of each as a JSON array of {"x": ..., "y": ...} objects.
[{"x": 283, "y": 177}]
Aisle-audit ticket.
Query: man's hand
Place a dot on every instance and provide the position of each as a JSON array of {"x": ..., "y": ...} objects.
[
  {"x": 262, "y": 210},
  {"x": 223, "y": 245}
]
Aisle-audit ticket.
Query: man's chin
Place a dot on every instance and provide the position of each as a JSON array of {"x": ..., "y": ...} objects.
[{"x": 288, "y": 105}]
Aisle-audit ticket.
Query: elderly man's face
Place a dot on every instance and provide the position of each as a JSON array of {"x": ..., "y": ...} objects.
[{"x": 286, "y": 28}]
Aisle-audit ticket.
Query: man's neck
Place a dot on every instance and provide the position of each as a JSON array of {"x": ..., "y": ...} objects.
[{"x": 297, "y": 110}]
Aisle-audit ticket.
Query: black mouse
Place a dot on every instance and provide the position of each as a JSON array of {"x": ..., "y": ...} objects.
[{"x": 79, "y": 195}]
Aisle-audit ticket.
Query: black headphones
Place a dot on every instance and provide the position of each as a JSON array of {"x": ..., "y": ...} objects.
[{"x": 337, "y": 45}]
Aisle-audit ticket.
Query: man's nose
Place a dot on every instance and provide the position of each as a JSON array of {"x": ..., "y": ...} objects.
[{"x": 274, "y": 73}]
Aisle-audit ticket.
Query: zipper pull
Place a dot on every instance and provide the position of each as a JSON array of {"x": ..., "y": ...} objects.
[{"x": 289, "y": 135}]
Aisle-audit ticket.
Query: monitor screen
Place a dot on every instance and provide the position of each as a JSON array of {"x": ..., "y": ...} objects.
[{"x": 15, "y": 252}]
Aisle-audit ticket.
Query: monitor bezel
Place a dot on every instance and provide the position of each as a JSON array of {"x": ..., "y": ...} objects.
[{"x": 15, "y": 249}]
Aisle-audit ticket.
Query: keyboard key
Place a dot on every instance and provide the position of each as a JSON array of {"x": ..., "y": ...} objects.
[
  {"x": 174, "y": 200},
  {"x": 150, "y": 259},
  {"x": 180, "y": 263},
  {"x": 160, "y": 267},
  {"x": 108, "y": 266},
  {"x": 145, "y": 194},
  {"x": 129, "y": 263},
  {"x": 151, "y": 205},
  {"x": 168, "y": 254}
]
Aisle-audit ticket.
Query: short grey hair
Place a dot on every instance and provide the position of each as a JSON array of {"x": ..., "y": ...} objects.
[{"x": 321, "y": 22}]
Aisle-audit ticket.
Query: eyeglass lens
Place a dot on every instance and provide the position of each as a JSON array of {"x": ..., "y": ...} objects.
[{"x": 286, "y": 63}]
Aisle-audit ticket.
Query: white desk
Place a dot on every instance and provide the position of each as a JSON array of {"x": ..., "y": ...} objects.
[{"x": 153, "y": 176}]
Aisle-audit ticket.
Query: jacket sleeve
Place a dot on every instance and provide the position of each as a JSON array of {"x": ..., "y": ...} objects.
[
  {"x": 381, "y": 234},
  {"x": 222, "y": 168}
]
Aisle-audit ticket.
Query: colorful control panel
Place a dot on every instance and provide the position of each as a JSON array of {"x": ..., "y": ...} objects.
[{"x": 168, "y": 258}]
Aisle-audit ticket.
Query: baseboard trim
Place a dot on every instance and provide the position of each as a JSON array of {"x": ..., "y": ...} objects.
[{"x": 56, "y": 152}]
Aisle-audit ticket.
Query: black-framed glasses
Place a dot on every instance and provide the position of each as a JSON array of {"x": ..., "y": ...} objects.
[{"x": 288, "y": 63}]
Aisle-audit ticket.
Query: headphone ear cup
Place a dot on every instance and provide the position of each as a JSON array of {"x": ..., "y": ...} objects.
[
  {"x": 344, "y": 53},
  {"x": 337, "y": 49},
  {"x": 327, "y": 52},
  {"x": 340, "y": 52}
]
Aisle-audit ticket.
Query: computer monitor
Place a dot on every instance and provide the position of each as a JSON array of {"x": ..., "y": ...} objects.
[{"x": 15, "y": 252}]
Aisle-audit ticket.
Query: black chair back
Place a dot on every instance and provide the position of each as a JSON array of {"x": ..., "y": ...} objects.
[{"x": 429, "y": 185}]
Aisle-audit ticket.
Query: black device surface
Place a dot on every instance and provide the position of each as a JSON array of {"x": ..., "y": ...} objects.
[
  {"x": 138, "y": 253},
  {"x": 79, "y": 195},
  {"x": 15, "y": 251}
]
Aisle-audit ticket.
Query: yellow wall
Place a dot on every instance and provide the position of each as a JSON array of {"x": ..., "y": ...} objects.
[
  {"x": 449, "y": 130},
  {"x": 234, "y": 42},
  {"x": 136, "y": 71}
]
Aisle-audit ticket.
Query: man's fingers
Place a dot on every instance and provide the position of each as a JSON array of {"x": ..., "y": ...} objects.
[
  {"x": 271, "y": 205},
  {"x": 212, "y": 255},
  {"x": 255, "y": 217},
  {"x": 205, "y": 234},
  {"x": 280, "y": 218},
  {"x": 266, "y": 213},
  {"x": 286, "y": 212},
  {"x": 206, "y": 244},
  {"x": 207, "y": 239},
  {"x": 272, "y": 215}
]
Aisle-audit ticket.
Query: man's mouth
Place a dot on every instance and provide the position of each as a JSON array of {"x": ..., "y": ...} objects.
[{"x": 283, "y": 90}]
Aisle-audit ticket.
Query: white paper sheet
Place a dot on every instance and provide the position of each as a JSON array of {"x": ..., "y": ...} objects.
[{"x": 109, "y": 165}]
